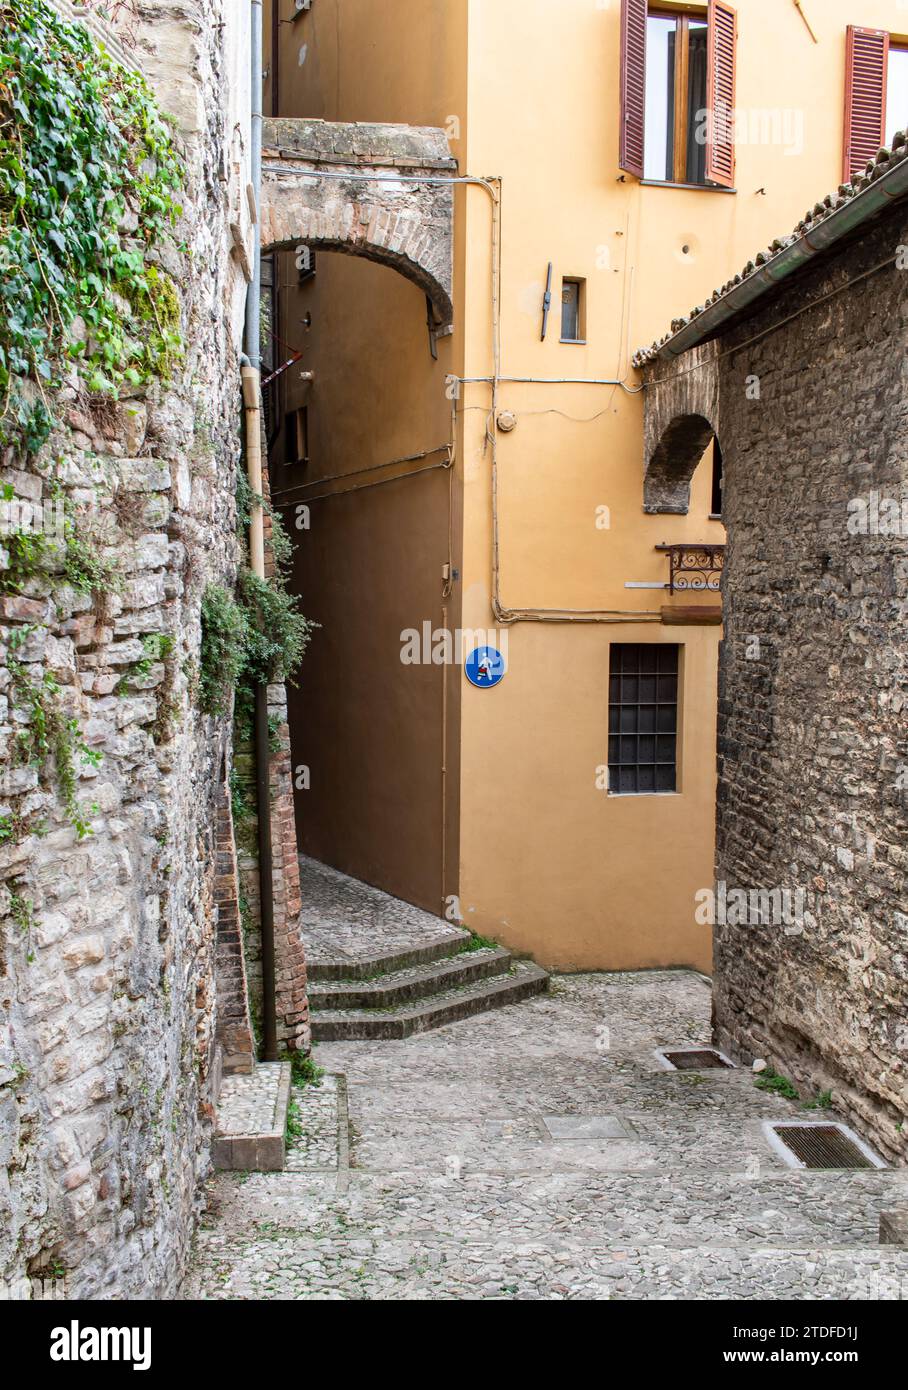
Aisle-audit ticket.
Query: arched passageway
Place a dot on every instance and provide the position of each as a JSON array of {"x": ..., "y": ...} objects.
[
  {"x": 359, "y": 470},
  {"x": 383, "y": 192}
]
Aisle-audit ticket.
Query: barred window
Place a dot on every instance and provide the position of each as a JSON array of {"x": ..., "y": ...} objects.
[{"x": 643, "y": 718}]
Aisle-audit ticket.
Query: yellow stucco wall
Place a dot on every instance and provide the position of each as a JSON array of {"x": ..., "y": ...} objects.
[{"x": 548, "y": 863}]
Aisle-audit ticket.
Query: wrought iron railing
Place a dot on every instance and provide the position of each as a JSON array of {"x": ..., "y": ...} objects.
[{"x": 694, "y": 568}]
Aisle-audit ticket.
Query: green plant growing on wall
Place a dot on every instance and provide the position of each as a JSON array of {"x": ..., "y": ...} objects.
[
  {"x": 239, "y": 806},
  {"x": 26, "y": 548},
  {"x": 50, "y": 733},
  {"x": 21, "y": 911},
  {"x": 88, "y": 180},
  {"x": 277, "y": 635},
  {"x": 84, "y": 567},
  {"x": 156, "y": 647},
  {"x": 259, "y": 638},
  {"x": 223, "y": 648},
  {"x": 30, "y": 551}
]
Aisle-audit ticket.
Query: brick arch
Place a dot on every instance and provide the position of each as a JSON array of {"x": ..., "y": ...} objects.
[
  {"x": 681, "y": 420},
  {"x": 674, "y": 462},
  {"x": 382, "y": 192}
]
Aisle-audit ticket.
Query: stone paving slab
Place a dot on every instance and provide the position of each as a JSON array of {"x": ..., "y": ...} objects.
[{"x": 454, "y": 1188}]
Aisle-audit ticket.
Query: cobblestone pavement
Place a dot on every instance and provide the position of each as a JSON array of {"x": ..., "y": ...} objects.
[
  {"x": 343, "y": 918},
  {"x": 248, "y": 1104},
  {"x": 427, "y": 1169}
]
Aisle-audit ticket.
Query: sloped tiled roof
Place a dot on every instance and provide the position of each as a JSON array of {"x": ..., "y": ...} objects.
[{"x": 885, "y": 161}]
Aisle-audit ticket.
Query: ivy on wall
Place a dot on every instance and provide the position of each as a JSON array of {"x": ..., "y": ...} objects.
[
  {"x": 89, "y": 177},
  {"x": 258, "y": 637},
  {"x": 89, "y": 181}
]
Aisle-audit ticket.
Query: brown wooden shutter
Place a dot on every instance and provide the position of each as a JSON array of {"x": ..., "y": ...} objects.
[
  {"x": 866, "y": 73},
  {"x": 633, "y": 86},
  {"x": 720, "y": 93}
]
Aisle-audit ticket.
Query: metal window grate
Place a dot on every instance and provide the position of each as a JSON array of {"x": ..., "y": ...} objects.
[
  {"x": 643, "y": 718},
  {"x": 822, "y": 1146},
  {"x": 692, "y": 1059}
]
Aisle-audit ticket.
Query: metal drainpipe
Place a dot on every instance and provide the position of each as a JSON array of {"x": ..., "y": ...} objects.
[{"x": 252, "y": 404}]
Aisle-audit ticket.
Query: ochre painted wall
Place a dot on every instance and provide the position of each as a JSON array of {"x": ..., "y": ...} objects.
[{"x": 548, "y": 863}]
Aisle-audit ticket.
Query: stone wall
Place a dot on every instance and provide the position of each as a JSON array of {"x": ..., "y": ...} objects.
[
  {"x": 813, "y": 752},
  {"x": 108, "y": 1056}
]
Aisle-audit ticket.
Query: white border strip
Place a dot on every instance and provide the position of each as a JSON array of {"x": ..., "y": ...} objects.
[
  {"x": 666, "y": 1065},
  {"x": 777, "y": 1143}
]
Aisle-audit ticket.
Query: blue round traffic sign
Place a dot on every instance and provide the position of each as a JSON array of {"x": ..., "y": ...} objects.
[{"x": 485, "y": 668}]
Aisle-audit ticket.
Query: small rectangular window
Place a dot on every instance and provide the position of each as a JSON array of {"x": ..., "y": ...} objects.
[
  {"x": 573, "y": 311},
  {"x": 643, "y": 718},
  {"x": 296, "y": 436}
]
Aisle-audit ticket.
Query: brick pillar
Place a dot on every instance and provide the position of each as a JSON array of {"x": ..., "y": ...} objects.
[{"x": 290, "y": 958}]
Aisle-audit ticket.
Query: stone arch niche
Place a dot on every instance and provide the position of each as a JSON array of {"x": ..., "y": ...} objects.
[
  {"x": 681, "y": 419},
  {"x": 317, "y": 191}
]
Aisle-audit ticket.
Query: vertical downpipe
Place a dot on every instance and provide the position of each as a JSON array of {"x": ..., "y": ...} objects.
[{"x": 252, "y": 397}]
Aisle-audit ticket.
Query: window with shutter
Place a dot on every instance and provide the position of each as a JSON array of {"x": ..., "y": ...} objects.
[
  {"x": 866, "y": 72},
  {"x": 677, "y": 92},
  {"x": 720, "y": 127},
  {"x": 633, "y": 85}
]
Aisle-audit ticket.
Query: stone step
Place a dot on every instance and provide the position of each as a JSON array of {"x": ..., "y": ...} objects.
[
  {"x": 287, "y": 1265},
  {"x": 366, "y": 966},
  {"x": 403, "y": 1197},
  {"x": 416, "y": 982},
  {"x": 523, "y": 980},
  {"x": 251, "y": 1125}
]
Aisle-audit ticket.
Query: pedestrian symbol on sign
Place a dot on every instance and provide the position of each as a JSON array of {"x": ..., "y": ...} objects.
[{"x": 485, "y": 668}]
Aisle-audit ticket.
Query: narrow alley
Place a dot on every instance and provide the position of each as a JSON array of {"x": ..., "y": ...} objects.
[{"x": 541, "y": 1151}]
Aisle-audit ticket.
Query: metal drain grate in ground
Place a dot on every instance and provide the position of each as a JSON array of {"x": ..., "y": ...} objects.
[
  {"x": 693, "y": 1058},
  {"x": 821, "y": 1146}
]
